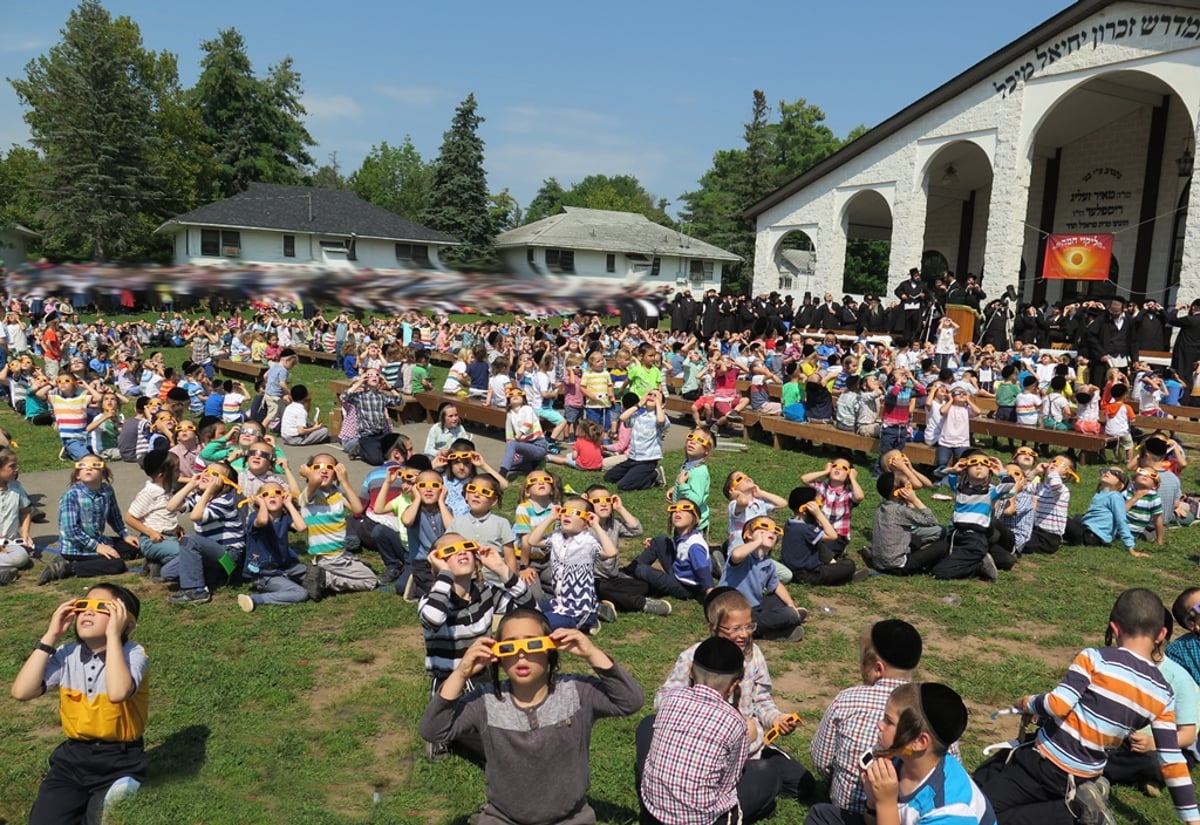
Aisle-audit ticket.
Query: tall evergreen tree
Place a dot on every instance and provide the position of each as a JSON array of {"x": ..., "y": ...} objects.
[
  {"x": 92, "y": 113},
  {"x": 459, "y": 202},
  {"x": 255, "y": 125}
]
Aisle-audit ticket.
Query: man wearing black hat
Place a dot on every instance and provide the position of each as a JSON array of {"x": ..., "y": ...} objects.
[
  {"x": 912, "y": 295},
  {"x": 888, "y": 653},
  {"x": 1187, "y": 344},
  {"x": 699, "y": 746},
  {"x": 1112, "y": 340}
]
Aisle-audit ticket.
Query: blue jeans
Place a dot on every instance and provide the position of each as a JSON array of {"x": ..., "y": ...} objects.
[
  {"x": 159, "y": 551},
  {"x": 558, "y": 620},
  {"x": 198, "y": 563},
  {"x": 518, "y": 454},
  {"x": 76, "y": 448},
  {"x": 945, "y": 455},
  {"x": 282, "y": 588},
  {"x": 891, "y": 437}
]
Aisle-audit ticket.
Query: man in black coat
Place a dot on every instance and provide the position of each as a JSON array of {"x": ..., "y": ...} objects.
[
  {"x": 912, "y": 294},
  {"x": 1030, "y": 327},
  {"x": 1112, "y": 339},
  {"x": 874, "y": 318},
  {"x": 1187, "y": 343},
  {"x": 1152, "y": 331},
  {"x": 829, "y": 313}
]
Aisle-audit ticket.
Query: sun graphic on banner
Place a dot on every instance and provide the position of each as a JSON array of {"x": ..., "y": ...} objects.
[{"x": 1078, "y": 257}]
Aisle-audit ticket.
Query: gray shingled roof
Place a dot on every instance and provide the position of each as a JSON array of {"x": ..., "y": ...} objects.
[
  {"x": 303, "y": 209},
  {"x": 601, "y": 230},
  {"x": 1070, "y": 16}
]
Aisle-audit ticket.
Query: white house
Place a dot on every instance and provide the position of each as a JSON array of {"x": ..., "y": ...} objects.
[
  {"x": 14, "y": 245},
  {"x": 615, "y": 247},
  {"x": 276, "y": 224},
  {"x": 1086, "y": 124}
]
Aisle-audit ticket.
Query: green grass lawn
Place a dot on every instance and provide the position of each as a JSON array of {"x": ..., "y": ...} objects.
[{"x": 304, "y": 714}]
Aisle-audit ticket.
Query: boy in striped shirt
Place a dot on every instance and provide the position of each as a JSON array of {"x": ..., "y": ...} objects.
[
  {"x": 978, "y": 547},
  {"x": 1051, "y": 500},
  {"x": 323, "y": 504},
  {"x": 1107, "y": 694},
  {"x": 70, "y": 405}
]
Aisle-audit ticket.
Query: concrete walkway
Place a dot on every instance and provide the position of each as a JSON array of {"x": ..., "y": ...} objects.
[{"x": 46, "y": 487}]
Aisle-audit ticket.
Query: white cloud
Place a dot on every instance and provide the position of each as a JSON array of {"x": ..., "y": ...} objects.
[
  {"x": 412, "y": 95},
  {"x": 11, "y": 43},
  {"x": 331, "y": 106},
  {"x": 565, "y": 122}
]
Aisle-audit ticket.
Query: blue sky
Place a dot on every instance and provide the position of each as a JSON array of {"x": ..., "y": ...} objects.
[{"x": 567, "y": 89}]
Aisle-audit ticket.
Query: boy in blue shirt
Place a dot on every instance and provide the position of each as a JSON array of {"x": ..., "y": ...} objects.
[
  {"x": 752, "y": 572},
  {"x": 978, "y": 547}
]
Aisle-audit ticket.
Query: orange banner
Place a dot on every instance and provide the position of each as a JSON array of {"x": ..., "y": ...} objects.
[{"x": 1078, "y": 257}]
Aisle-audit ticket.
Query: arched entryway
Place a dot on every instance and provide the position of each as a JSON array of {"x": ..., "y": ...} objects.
[
  {"x": 796, "y": 262},
  {"x": 958, "y": 190},
  {"x": 867, "y": 222},
  {"x": 1111, "y": 156}
]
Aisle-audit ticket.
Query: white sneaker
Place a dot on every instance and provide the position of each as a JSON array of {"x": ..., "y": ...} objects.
[{"x": 245, "y": 603}]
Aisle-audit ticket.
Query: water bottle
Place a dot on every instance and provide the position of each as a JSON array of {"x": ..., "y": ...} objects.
[{"x": 953, "y": 600}]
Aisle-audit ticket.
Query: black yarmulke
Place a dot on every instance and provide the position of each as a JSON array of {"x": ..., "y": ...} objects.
[
  {"x": 718, "y": 655},
  {"x": 944, "y": 711},
  {"x": 153, "y": 461},
  {"x": 897, "y": 642}
]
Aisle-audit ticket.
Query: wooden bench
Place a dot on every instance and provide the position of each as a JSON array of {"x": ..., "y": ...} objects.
[
  {"x": 312, "y": 356},
  {"x": 445, "y": 359},
  {"x": 239, "y": 369},
  {"x": 780, "y": 428},
  {"x": 469, "y": 409},
  {"x": 1171, "y": 424},
  {"x": 1082, "y": 443}
]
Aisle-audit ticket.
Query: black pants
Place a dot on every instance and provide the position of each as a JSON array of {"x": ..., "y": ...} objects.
[
  {"x": 1077, "y": 534},
  {"x": 827, "y": 575},
  {"x": 773, "y": 616},
  {"x": 80, "y": 775},
  {"x": 370, "y": 448},
  {"x": 1027, "y": 789},
  {"x": 1043, "y": 541},
  {"x": 967, "y": 547},
  {"x": 773, "y": 774},
  {"x": 662, "y": 582},
  {"x": 633, "y": 475},
  {"x": 625, "y": 592},
  {"x": 1128, "y": 768},
  {"x": 920, "y": 559}
]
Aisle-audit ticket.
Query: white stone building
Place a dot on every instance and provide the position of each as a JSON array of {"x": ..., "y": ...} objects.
[
  {"x": 276, "y": 224},
  {"x": 1085, "y": 124},
  {"x": 14, "y": 245},
  {"x": 612, "y": 247}
]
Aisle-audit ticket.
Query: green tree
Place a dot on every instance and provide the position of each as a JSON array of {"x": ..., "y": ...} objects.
[
  {"x": 92, "y": 111},
  {"x": 458, "y": 199},
  {"x": 254, "y": 124},
  {"x": 866, "y": 266},
  {"x": 19, "y": 201},
  {"x": 506, "y": 212},
  {"x": 619, "y": 193},
  {"x": 396, "y": 178},
  {"x": 548, "y": 201},
  {"x": 801, "y": 140},
  {"x": 758, "y": 172}
]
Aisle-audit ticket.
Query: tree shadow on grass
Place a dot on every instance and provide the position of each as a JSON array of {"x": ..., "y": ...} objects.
[{"x": 180, "y": 755}]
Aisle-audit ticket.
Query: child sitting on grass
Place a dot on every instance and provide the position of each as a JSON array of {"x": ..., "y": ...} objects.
[
  {"x": 906, "y": 538},
  {"x": 1105, "y": 518},
  {"x": 1143, "y": 506},
  {"x": 1107, "y": 694},
  {"x": 272, "y": 567},
  {"x": 425, "y": 519},
  {"x": 575, "y": 547},
  {"x": 327, "y": 497},
  {"x": 693, "y": 481},
  {"x": 616, "y": 588},
  {"x": 839, "y": 493},
  {"x": 103, "y": 703},
  {"x": 812, "y": 551},
  {"x": 586, "y": 452},
  {"x": 977, "y": 547},
  {"x": 752, "y": 573},
  {"x": 684, "y": 568}
]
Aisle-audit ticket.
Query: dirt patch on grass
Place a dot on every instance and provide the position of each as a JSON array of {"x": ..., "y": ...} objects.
[{"x": 360, "y": 664}]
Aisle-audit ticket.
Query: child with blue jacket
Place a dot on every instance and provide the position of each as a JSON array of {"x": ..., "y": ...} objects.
[{"x": 1105, "y": 518}]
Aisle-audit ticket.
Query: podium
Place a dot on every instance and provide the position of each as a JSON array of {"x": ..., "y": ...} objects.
[{"x": 966, "y": 318}]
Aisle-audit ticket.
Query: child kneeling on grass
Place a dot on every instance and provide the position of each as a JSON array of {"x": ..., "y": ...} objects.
[
  {"x": 534, "y": 723},
  {"x": 752, "y": 573},
  {"x": 909, "y": 777},
  {"x": 1107, "y": 694},
  {"x": 326, "y": 497},
  {"x": 103, "y": 704}
]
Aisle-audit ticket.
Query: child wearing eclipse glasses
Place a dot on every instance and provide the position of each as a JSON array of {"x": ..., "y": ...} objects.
[
  {"x": 85, "y": 509},
  {"x": 103, "y": 703},
  {"x": 327, "y": 497},
  {"x": 978, "y": 547},
  {"x": 534, "y": 722},
  {"x": 574, "y": 547}
]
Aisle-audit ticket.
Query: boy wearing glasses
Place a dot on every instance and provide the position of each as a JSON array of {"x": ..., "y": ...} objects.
[
  {"x": 752, "y": 573},
  {"x": 978, "y": 548},
  {"x": 323, "y": 505},
  {"x": 1143, "y": 506},
  {"x": 574, "y": 548}
]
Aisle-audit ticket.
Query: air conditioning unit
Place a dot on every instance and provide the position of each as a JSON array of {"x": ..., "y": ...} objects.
[{"x": 231, "y": 251}]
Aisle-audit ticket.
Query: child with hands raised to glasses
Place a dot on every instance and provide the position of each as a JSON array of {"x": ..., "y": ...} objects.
[
  {"x": 215, "y": 550},
  {"x": 425, "y": 519},
  {"x": 977, "y": 546},
  {"x": 459, "y": 465},
  {"x": 647, "y": 424},
  {"x": 534, "y": 722},
  {"x": 839, "y": 493},
  {"x": 575, "y": 547},
  {"x": 489, "y": 529},
  {"x": 391, "y": 543},
  {"x": 746, "y": 501},
  {"x": 812, "y": 551},
  {"x": 1105, "y": 517},
  {"x": 540, "y": 495},
  {"x": 327, "y": 496},
  {"x": 272, "y": 567},
  {"x": 1144, "y": 508},
  {"x": 684, "y": 565},
  {"x": 103, "y": 705},
  {"x": 460, "y": 608},
  {"x": 84, "y": 509},
  {"x": 751, "y": 572},
  {"x": 615, "y": 587},
  {"x": 909, "y": 776},
  {"x": 906, "y": 538}
]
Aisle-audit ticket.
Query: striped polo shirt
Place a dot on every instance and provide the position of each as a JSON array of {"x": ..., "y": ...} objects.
[
  {"x": 325, "y": 515},
  {"x": 71, "y": 415}
]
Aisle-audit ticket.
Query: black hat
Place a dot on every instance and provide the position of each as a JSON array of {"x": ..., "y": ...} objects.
[
  {"x": 177, "y": 394},
  {"x": 153, "y": 461},
  {"x": 897, "y": 643},
  {"x": 944, "y": 710},
  {"x": 1155, "y": 446},
  {"x": 718, "y": 655}
]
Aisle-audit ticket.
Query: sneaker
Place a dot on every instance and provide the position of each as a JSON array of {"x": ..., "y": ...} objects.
[
  {"x": 734, "y": 417},
  {"x": 407, "y": 593},
  {"x": 718, "y": 564},
  {"x": 246, "y": 603},
  {"x": 198, "y": 596},
  {"x": 987, "y": 569},
  {"x": 660, "y": 477},
  {"x": 861, "y": 574},
  {"x": 314, "y": 582},
  {"x": 9, "y": 575},
  {"x": 607, "y": 611},
  {"x": 1092, "y": 799},
  {"x": 657, "y": 607},
  {"x": 803, "y": 614},
  {"x": 153, "y": 570},
  {"x": 1152, "y": 789},
  {"x": 437, "y": 751},
  {"x": 390, "y": 574},
  {"x": 797, "y": 634},
  {"x": 55, "y": 570},
  {"x": 865, "y": 555},
  {"x": 594, "y": 630}
]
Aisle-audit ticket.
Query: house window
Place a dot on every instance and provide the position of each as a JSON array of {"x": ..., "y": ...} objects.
[
  {"x": 560, "y": 260},
  {"x": 531, "y": 259},
  {"x": 785, "y": 280},
  {"x": 217, "y": 243},
  {"x": 413, "y": 253},
  {"x": 289, "y": 246},
  {"x": 656, "y": 266},
  {"x": 610, "y": 263},
  {"x": 701, "y": 271}
]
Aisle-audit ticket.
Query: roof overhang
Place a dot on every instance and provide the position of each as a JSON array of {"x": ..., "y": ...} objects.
[{"x": 211, "y": 225}]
